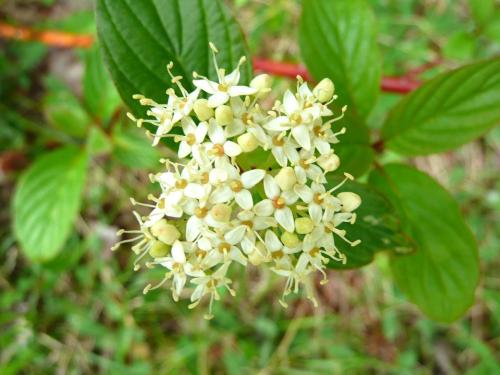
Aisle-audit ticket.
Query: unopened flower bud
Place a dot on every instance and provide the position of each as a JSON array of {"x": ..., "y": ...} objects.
[
  {"x": 329, "y": 162},
  {"x": 290, "y": 239},
  {"x": 202, "y": 110},
  {"x": 159, "y": 249},
  {"x": 286, "y": 178},
  {"x": 350, "y": 201},
  {"x": 221, "y": 212},
  {"x": 247, "y": 142},
  {"x": 304, "y": 225},
  {"x": 223, "y": 115},
  {"x": 165, "y": 232},
  {"x": 324, "y": 90},
  {"x": 262, "y": 83}
]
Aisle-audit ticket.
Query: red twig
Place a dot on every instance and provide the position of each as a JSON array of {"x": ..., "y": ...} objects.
[{"x": 401, "y": 84}]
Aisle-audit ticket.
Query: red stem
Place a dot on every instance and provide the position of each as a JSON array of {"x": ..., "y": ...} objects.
[{"x": 399, "y": 85}]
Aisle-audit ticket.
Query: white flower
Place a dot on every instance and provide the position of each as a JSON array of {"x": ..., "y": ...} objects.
[
  {"x": 320, "y": 204},
  {"x": 226, "y": 87},
  {"x": 283, "y": 149},
  {"x": 305, "y": 168},
  {"x": 180, "y": 268},
  {"x": 278, "y": 202},
  {"x": 194, "y": 137},
  {"x": 208, "y": 285},
  {"x": 220, "y": 146},
  {"x": 296, "y": 118},
  {"x": 238, "y": 186}
]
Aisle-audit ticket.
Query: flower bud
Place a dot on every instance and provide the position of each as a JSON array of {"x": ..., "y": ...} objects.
[
  {"x": 329, "y": 162},
  {"x": 286, "y": 178},
  {"x": 262, "y": 83},
  {"x": 290, "y": 239},
  {"x": 350, "y": 201},
  {"x": 223, "y": 115},
  {"x": 304, "y": 225},
  {"x": 165, "y": 232},
  {"x": 221, "y": 212},
  {"x": 159, "y": 249},
  {"x": 247, "y": 142},
  {"x": 324, "y": 90},
  {"x": 202, "y": 110}
]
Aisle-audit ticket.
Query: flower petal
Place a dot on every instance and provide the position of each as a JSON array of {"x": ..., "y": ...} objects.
[
  {"x": 193, "y": 190},
  {"x": 264, "y": 208},
  {"x": 272, "y": 242},
  {"x": 206, "y": 85},
  {"x": 178, "y": 252},
  {"x": 216, "y": 133},
  {"x": 238, "y": 256},
  {"x": 304, "y": 192},
  {"x": 184, "y": 150},
  {"x": 201, "y": 132},
  {"x": 218, "y": 99},
  {"x": 284, "y": 217},
  {"x": 279, "y": 155},
  {"x": 235, "y": 235},
  {"x": 315, "y": 212},
  {"x": 252, "y": 177},
  {"x": 232, "y": 149},
  {"x": 271, "y": 187},
  {"x": 241, "y": 90},
  {"x": 232, "y": 78},
  {"x": 301, "y": 135},
  {"x": 290, "y": 103},
  {"x": 244, "y": 199},
  {"x": 193, "y": 226},
  {"x": 278, "y": 124}
]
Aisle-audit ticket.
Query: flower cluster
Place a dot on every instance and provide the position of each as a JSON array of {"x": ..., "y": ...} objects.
[{"x": 211, "y": 214}]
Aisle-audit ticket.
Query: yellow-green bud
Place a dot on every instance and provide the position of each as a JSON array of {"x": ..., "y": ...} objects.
[
  {"x": 202, "y": 110},
  {"x": 262, "y": 83},
  {"x": 159, "y": 249},
  {"x": 329, "y": 162},
  {"x": 165, "y": 232},
  {"x": 290, "y": 239},
  {"x": 350, "y": 201},
  {"x": 221, "y": 212},
  {"x": 247, "y": 142},
  {"x": 304, "y": 225},
  {"x": 286, "y": 178},
  {"x": 324, "y": 90},
  {"x": 223, "y": 115}
]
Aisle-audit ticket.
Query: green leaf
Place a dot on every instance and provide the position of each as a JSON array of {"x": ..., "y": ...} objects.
[
  {"x": 133, "y": 149},
  {"x": 338, "y": 40},
  {"x": 139, "y": 38},
  {"x": 47, "y": 200},
  {"x": 354, "y": 149},
  {"x": 442, "y": 275},
  {"x": 377, "y": 226},
  {"x": 99, "y": 92},
  {"x": 482, "y": 10},
  {"x": 446, "y": 112},
  {"x": 98, "y": 143},
  {"x": 65, "y": 112}
]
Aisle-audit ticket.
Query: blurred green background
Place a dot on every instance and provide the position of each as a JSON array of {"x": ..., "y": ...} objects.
[{"x": 84, "y": 312}]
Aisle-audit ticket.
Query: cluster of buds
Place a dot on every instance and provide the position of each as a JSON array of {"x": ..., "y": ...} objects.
[{"x": 211, "y": 214}]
